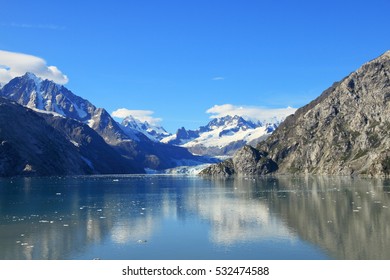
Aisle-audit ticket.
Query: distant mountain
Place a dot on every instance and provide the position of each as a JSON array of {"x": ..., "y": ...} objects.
[
  {"x": 222, "y": 136},
  {"x": 41, "y": 144},
  {"x": 47, "y": 96},
  {"x": 345, "y": 131},
  {"x": 153, "y": 132}
]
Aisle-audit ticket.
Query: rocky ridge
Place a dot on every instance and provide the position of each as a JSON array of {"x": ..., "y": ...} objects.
[{"x": 345, "y": 131}]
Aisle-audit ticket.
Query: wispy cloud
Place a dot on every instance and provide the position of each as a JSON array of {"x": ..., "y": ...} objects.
[
  {"x": 218, "y": 78},
  {"x": 250, "y": 112},
  {"x": 14, "y": 64},
  {"x": 33, "y": 26},
  {"x": 142, "y": 115}
]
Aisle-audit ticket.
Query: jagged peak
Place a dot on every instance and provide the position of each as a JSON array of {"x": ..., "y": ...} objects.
[
  {"x": 133, "y": 120},
  {"x": 39, "y": 80},
  {"x": 31, "y": 76}
]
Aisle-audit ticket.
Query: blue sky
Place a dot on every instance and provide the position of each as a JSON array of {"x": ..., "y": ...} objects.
[{"x": 180, "y": 58}]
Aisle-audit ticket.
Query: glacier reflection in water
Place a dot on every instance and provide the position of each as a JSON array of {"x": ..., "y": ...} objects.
[{"x": 173, "y": 217}]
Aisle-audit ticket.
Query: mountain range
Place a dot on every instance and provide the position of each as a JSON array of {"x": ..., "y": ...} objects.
[
  {"x": 222, "y": 136},
  {"x": 81, "y": 124},
  {"x": 45, "y": 129},
  {"x": 345, "y": 131}
]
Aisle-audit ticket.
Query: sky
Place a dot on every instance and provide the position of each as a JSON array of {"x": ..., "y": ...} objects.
[{"x": 180, "y": 62}]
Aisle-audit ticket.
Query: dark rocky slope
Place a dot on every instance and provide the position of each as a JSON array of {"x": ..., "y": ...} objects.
[
  {"x": 101, "y": 157},
  {"x": 43, "y": 145},
  {"x": 345, "y": 131}
]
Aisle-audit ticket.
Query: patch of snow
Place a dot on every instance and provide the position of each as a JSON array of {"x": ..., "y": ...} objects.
[
  {"x": 90, "y": 122},
  {"x": 168, "y": 138},
  {"x": 80, "y": 112},
  {"x": 55, "y": 114},
  {"x": 75, "y": 143}
]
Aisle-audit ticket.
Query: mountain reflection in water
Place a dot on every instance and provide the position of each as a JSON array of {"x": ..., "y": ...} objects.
[{"x": 171, "y": 217}]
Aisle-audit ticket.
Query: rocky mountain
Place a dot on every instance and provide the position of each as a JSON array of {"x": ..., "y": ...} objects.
[
  {"x": 222, "y": 136},
  {"x": 100, "y": 157},
  {"x": 42, "y": 144},
  {"x": 35, "y": 93},
  {"x": 47, "y": 96},
  {"x": 345, "y": 131},
  {"x": 153, "y": 132}
]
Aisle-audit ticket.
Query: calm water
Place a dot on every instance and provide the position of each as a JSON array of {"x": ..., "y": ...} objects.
[{"x": 167, "y": 217}]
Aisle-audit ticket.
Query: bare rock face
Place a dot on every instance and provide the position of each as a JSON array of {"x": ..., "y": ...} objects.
[
  {"x": 225, "y": 168},
  {"x": 345, "y": 131},
  {"x": 246, "y": 161}
]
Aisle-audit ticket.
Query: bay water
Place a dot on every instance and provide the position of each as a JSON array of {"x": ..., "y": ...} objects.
[{"x": 187, "y": 217}]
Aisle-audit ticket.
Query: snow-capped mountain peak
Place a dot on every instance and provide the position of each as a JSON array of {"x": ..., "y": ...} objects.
[
  {"x": 230, "y": 122},
  {"x": 33, "y": 77},
  {"x": 153, "y": 132},
  {"x": 36, "y": 93},
  {"x": 223, "y": 135}
]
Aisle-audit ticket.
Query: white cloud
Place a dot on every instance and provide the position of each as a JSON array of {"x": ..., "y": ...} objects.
[
  {"x": 17, "y": 64},
  {"x": 142, "y": 115},
  {"x": 250, "y": 112},
  {"x": 218, "y": 78}
]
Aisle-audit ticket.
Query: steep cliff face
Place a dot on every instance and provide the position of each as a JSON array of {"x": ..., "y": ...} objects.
[{"x": 345, "y": 131}]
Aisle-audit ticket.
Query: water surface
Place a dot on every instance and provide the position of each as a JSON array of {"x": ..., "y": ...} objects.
[{"x": 178, "y": 217}]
